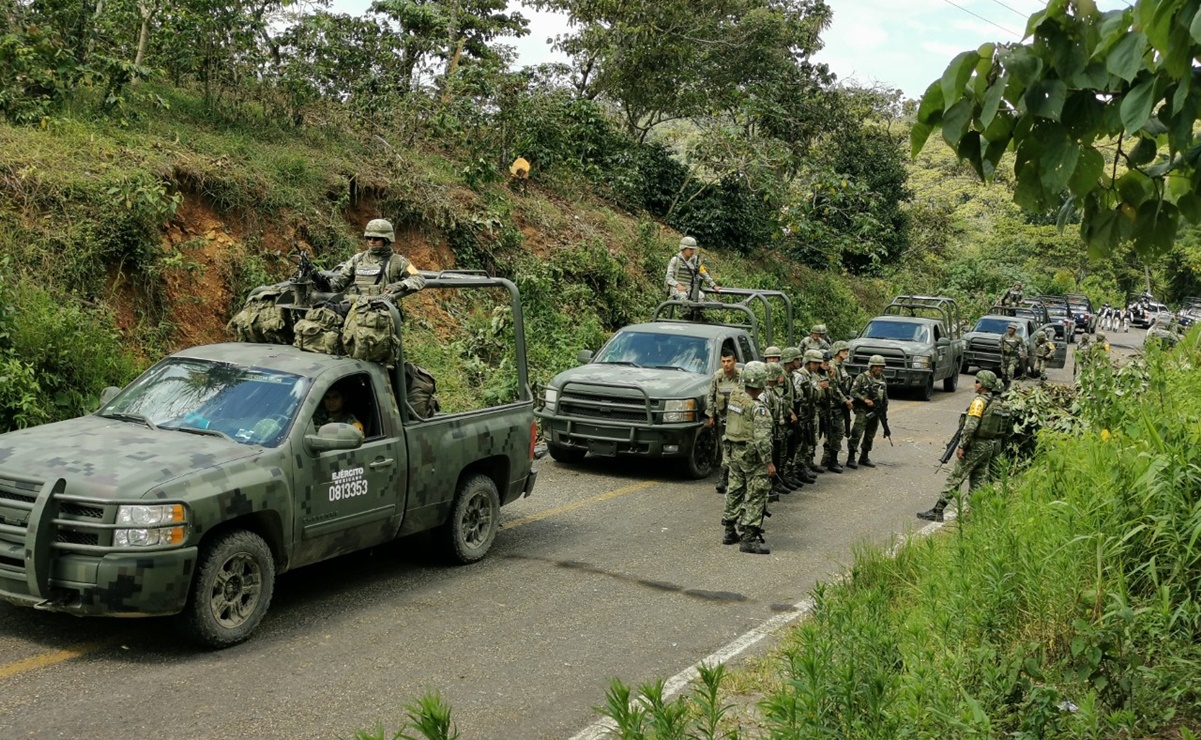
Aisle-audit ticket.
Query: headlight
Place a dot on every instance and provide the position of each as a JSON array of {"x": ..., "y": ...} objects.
[
  {"x": 551, "y": 396},
  {"x": 151, "y": 526},
  {"x": 921, "y": 361},
  {"x": 679, "y": 410}
]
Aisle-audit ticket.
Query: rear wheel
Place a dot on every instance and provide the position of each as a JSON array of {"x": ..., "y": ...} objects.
[
  {"x": 698, "y": 463},
  {"x": 473, "y": 520},
  {"x": 565, "y": 454},
  {"x": 232, "y": 590},
  {"x": 965, "y": 369},
  {"x": 950, "y": 383}
]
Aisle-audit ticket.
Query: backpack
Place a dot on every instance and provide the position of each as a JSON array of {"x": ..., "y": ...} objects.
[
  {"x": 261, "y": 320},
  {"x": 995, "y": 423},
  {"x": 320, "y": 331},
  {"x": 422, "y": 390},
  {"x": 369, "y": 332}
]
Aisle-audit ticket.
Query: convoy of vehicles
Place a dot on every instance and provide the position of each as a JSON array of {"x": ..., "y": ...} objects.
[
  {"x": 918, "y": 337},
  {"x": 190, "y": 490}
]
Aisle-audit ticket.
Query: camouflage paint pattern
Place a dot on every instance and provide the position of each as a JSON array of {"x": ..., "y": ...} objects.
[
  {"x": 863, "y": 429},
  {"x": 61, "y": 484},
  {"x": 746, "y": 497}
]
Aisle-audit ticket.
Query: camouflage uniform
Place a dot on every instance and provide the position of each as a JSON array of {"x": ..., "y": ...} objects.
[
  {"x": 682, "y": 270},
  {"x": 790, "y": 475},
  {"x": 1013, "y": 296},
  {"x": 1011, "y": 355},
  {"x": 377, "y": 269},
  {"x": 748, "y": 437},
  {"x": 808, "y": 395},
  {"x": 838, "y": 395},
  {"x": 321, "y": 417},
  {"x": 815, "y": 342},
  {"x": 1044, "y": 350},
  {"x": 980, "y": 439},
  {"x": 867, "y": 423},
  {"x": 777, "y": 396},
  {"x": 720, "y": 388}
]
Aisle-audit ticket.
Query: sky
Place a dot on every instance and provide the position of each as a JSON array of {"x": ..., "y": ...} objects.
[{"x": 903, "y": 44}]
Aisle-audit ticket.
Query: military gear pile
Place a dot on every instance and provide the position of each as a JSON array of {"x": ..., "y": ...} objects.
[
  {"x": 422, "y": 390},
  {"x": 370, "y": 332},
  {"x": 261, "y": 320},
  {"x": 320, "y": 331}
]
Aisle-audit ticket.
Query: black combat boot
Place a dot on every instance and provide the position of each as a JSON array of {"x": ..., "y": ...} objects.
[
  {"x": 752, "y": 542},
  {"x": 935, "y": 514},
  {"x": 814, "y": 469},
  {"x": 804, "y": 476},
  {"x": 832, "y": 465},
  {"x": 731, "y": 535},
  {"x": 723, "y": 481},
  {"x": 851, "y": 461},
  {"x": 865, "y": 462},
  {"x": 773, "y": 495}
]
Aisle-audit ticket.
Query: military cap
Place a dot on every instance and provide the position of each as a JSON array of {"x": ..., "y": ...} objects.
[
  {"x": 876, "y": 360},
  {"x": 790, "y": 354},
  {"x": 813, "y": 355},
  {"x": 840, "y": 345},
  {"x": 754, "y": 374},
  {"x": 772, "y": 351}
]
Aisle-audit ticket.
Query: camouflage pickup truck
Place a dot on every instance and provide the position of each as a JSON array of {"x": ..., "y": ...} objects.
[
  {"x": 918, "y": 337},
  {"x": 643, "y": 393},
  {"x": 187, "y": 492}
]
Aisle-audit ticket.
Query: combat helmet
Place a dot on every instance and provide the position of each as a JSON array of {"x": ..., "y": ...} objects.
[
  {"x": 687, "y": 243},
  {"x": 1040, "y": 334},
  {"x": 1101, "y": 338},
  {"x": 988, "y": 379},
  {"x": 818, "y": 329},
  {"x": 839, "y": 346},
  {"x": 790, "y": 354},
  {"x": 813, "y": 355},
  {"x": 380, "y": 228},
  {"x": 876, "y": 361},
  {"x": 754, "y": 374},
  {"x": 1013, "y": 326},
  {"x": 773, "y": 351}
]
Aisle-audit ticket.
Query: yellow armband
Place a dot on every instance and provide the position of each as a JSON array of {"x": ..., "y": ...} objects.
[{"x": 977, "y": 408}]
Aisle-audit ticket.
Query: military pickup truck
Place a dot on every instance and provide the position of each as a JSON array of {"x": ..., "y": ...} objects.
[
  {"x": 984, "y": 340},
  {"x": 918, "y": 337},
  {"x": 643, "y": 393},
  {"x": 190, "y": 490}
]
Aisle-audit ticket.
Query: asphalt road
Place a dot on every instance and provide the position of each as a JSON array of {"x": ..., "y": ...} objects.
[{"x": 610, "y": 569}]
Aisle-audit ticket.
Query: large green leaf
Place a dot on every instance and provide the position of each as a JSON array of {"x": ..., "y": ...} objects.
[
  {"x": 1060, "y": 154},
  {"x": 1029, "y": 192},
  {"x": 1155, "y": 227},
  {"x": 1103, "y": 230},
  {"x": 931, "y": 107},
  {"x": 1194, "y": 28},
  {"x": 1136, "y": 106},
  {"x": 917, "y": 137},
  {"x": 1045, "y": 99},
  {"x": 957, "y": 73},
  {"x": 969, "y": 149},
  {"x": 1142, "y": 153},
  {"x": 955, "y": 122},
  {"x": 1088, "y": 172},
  {"x": 992, "y": 101},
  {"x": 1190, "y": 207},
  {"x": 1022, "y": 65},
  {"x": 1082, "y": 114},
  {"x": 1126, "y": 58}
]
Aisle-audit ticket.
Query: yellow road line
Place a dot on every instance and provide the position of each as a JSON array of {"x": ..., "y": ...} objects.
[
  {"x": 46, "y": 660},
  {"x": 615, "y": 493}
]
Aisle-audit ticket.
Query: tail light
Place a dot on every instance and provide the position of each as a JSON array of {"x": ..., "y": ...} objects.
[{"x": 533, "y": 438}]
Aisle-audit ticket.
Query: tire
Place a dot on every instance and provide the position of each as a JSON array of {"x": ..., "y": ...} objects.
[
  {"x": 230, "y": 595},
  {"x": 927, "y": 392},
  {"x": 965, "y": 369},
  {"x": 950, "y": 383},
  {"x": 698, "y": 464},
  {"x": 565, "y": 454},
  {"x": 474, "y": 520}
]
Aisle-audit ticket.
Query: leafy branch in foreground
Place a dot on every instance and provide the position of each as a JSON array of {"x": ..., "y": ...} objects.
[{"x": 1084, "y": 83}]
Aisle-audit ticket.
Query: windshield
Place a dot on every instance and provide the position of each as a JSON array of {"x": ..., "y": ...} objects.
[
  {"x": 900, "y": 330},
  {"x": 1057, "y": 312},
  {"x": 995, "y": 325},
  {"x": 647, "y": 349},
  {"x": 248, "y": 405}
]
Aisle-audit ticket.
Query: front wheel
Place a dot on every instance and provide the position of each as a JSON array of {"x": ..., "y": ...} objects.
[
  {"x": 702, "y": 454},
  {"x": 927, "y": 391},
  {"x": 950, "y": 383},
  {"x": 473, "y": 521},
  {"x": 231, "y": 592}
]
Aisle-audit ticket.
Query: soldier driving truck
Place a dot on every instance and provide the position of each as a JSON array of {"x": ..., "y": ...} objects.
[{"x": 224, "y": 465}]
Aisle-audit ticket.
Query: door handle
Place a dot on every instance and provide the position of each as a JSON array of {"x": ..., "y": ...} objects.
[{"x": 383, "y": 463}]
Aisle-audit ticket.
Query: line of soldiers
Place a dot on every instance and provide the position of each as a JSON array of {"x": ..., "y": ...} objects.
[{"x": 770, "y": 417}]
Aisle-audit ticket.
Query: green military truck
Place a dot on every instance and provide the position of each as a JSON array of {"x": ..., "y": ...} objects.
[
  {"x": 187, "y": 492},
  {"x": 643, "y": 393},
  {"x": 919, "y": 339}
]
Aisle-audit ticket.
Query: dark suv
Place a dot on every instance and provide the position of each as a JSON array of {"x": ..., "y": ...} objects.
[
  {"x": 1059, "y": 313},
  {"x": 1082, "y": 311}
]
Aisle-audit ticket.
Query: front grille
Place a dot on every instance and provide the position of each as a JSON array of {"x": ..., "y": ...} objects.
[
  {"x": 14, "y": 496},
  {"x": 80, "y": 510},
  {"x": 890, "y": 360},
  {"x": 78, "y": 538},
  {"x": 612, "y": 412}
]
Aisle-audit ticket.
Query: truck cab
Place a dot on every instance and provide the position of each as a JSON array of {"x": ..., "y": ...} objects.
[
  {"x": 984, "y": 340},
  {"x": 192, "y": 488},
  {"x": 918, "y": 337}
]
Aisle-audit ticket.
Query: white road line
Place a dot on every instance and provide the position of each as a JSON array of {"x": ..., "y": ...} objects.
[{"x": 604, "y": 727}]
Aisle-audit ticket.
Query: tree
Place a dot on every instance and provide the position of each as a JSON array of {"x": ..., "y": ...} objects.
[{"x": 1099, "y": 110}]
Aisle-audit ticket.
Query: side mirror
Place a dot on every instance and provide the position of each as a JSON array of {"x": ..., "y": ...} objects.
[
  {"x": 332, "y": 437},
  {"x": 584, "y": 356},
  {"x": 943, "y": 342},
  {"x": 108, "y": 394}
]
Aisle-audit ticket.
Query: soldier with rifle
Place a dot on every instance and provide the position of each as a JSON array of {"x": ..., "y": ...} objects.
[
  {"x": 791, "y": 359},
  {"x": 869, "y": 393},
  {"x": 840, "y": 404},
  {"x": 725, "y": 381},
  {"x": 981, "y": 431},
  {"x": 810, "y": 387}
]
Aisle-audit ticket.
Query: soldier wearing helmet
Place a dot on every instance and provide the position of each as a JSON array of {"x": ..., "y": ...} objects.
[
  {"x": 684, "y": 269},
  {"x": 869, "y": 392},
  {"x": 790, "y": 358},
  {"x": 816, "y": 339},
  {"x": 376, "y": 269},
  {"x": 1013, "y": 296},
  {"x": 983, "y": 429},
  {"x": 1044, "y": 350},
  {"x": 839, "y": 403},
  {"x": 1013, "y": 354},
  {"x": 811, "y": 387},
  {"x": 748, "y": 439}
]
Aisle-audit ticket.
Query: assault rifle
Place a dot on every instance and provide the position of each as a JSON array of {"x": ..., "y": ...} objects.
[
  {"x": 307, "y": 276},
  {"x": 880, "y": 411},
  {"x": 953, "y": 444}
]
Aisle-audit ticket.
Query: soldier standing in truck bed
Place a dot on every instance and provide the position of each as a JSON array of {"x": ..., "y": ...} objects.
[{"x": 377, "y": 269}]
